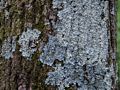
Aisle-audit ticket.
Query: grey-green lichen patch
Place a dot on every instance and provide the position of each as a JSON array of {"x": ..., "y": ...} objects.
[
  {"x": 52, "y": 51},
  {"x": 8, "y": 47},
  {"x": 82, "y": 39},
  {"x": 2, "y": 4},
  {"x": 93, "y": 77},
  {"x": 28, "y": 41}
]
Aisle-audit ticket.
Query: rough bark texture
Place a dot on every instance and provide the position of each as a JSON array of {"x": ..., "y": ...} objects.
[{"x": 57, "y": 45}]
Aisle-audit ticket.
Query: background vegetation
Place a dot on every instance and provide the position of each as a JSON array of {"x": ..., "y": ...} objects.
[{"x": 118, "y": 40}]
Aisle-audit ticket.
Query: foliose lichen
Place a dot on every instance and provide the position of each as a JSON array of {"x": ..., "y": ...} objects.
[
  {"x": 81, "y": 38},
  {"x": 28, "y": 41},
  {"x": 52, "y": 51},
  {"x": 8, "y": 47}
]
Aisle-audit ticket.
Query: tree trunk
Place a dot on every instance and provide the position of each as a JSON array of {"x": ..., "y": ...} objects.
[{"x": 57, "y": 45}]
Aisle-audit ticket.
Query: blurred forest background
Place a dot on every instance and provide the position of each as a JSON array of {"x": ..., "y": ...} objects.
[{"x": 118, "y": 40}]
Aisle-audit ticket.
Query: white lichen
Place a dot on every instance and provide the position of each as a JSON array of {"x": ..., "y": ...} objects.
[
  {"x": 7, "y": 14},
  {"x": 52, "y": 51},
  {"x": 8, "y": 47},
  {"x": 27, "y": 41},
  {"x": 83, "y": 40},
  {"x": 2, "y": 2}
]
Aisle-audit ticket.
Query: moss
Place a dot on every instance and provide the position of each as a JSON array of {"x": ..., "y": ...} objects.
[
  {"x": 36, "y": 55},
  {"x": 40, "y": 26},
  {"x": 39, "y": 63},
  {"x": 1, "y": 33}
]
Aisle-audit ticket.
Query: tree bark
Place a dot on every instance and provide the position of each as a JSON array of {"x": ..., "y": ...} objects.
[{"x": 57, "y": 45}]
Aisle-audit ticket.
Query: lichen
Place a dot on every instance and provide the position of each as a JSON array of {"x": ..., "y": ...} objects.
[
  {"x": 52, "y": 51},
  {"x": 8, "y": 47},
  {"x": 81, "y": 42},
  {"x": 28, "y": 41},
  {"x": 2, "y": 4}
]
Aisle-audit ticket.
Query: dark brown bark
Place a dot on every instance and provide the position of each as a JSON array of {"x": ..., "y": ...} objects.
[
  {"x": 112, "y": 41},
  {"x": 19, "y": 73}
]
